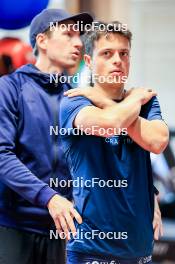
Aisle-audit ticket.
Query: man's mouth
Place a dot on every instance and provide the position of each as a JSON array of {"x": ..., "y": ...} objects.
[
  {"x": 116, "y": 72},
  {"x": 76, "y": 54}
]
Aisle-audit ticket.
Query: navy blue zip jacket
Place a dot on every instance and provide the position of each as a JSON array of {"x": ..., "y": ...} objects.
[{"x": 29, "y": 155}]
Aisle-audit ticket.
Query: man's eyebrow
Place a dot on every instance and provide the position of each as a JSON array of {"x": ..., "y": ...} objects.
[
  {"x": 105, "y": 49},
  {"x": 112, "y": 49},
  {"x": 124, "y": 49}
]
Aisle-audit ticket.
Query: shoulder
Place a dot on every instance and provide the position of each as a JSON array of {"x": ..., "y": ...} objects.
[
  {"x": 151, "y": 110},
  {"x": 9, "y": 87},
  {"x": 72, "y": 102},
  {"x": 10, "y": 82},
  {"x": 70, "y": 107},
  {"x": 150, "y": 104}
]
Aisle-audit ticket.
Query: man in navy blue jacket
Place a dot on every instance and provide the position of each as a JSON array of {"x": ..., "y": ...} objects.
[{"x": 29, "y": 155}]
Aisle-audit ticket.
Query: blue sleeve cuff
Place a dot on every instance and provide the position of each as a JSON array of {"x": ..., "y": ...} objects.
[{"x": 44, "y": 196}]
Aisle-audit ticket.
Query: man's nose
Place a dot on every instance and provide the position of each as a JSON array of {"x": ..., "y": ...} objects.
[
  {"x": 117, "y": 58},
  {"x": 78, "y": 43}
]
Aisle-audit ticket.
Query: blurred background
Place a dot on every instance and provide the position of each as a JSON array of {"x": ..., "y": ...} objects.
[{"x": 152, "y": 23}]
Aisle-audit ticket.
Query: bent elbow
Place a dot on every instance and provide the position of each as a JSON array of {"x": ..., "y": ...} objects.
[{"x": 159, "y": 146}]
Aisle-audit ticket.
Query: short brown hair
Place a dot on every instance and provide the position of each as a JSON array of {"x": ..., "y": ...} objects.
[{"x": 95, "y": 34}]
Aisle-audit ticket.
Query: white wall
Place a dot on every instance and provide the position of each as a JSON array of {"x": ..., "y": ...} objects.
[{"x": 153, "y": 52}]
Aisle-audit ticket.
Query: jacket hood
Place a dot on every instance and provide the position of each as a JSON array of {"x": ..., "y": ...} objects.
[{"x": 44, "y": 79}]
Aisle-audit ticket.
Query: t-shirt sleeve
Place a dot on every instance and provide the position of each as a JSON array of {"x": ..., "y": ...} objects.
[
  {"x": 151, "y": 110},
  {"x": 69, "y": 108}
]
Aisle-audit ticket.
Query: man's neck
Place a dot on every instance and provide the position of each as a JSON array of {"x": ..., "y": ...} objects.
[
  {"x": 111, "y": 91},
  {"x": 46, "y": 66}
]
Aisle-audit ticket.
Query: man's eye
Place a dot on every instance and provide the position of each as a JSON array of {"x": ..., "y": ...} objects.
[
  {"x": 107, "y": 53},
  {"x": 67, "y": 33},
  {"x": 124, "y": 54}
]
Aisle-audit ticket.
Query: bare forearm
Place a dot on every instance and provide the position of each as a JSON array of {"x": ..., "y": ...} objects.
[
  {"x": 125, "y": 113},
  {"x": 150, "y": 135},
  {"x": 113, "y": 115}
]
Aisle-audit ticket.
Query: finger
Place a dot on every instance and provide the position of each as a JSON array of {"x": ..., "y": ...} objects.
[
  {"x": 75, "y": 94},
  {"x": 67, "y": 92},
  {"x": 152, "y": 92},
  {"x": 70, "y": 224},
  {"x": 157, "y": 210},
  {"x": 76, "y": 215},
  {"x": 75, "y": 90},
  {"x": 161, "y": 229},
  {"x": 156, "y": 219},
  {"x": 70, "y": 91},
  {"x": 156, "y": 233},
  {"x": 58, "y": 226},
  {"x": 154, "y": 224},
  {"x": 64, "y": 226}
]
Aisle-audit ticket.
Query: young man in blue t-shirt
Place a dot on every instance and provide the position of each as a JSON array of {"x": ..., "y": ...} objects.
[{"x": 110, "y": 156}]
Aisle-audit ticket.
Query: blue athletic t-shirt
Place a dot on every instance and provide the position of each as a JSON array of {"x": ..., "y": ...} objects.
[{"x": 117, "y": 211}]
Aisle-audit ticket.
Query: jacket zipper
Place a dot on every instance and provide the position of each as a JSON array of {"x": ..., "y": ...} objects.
[{"x": 56, "y": 137}]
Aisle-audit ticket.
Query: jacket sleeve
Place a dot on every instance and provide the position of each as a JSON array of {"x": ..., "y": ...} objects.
[{"x": 13, "y": 172}]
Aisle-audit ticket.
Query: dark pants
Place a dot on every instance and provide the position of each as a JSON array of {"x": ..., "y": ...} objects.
[
  {"x": 21, "y": 247},
  {"x": 79, "y": 258}
]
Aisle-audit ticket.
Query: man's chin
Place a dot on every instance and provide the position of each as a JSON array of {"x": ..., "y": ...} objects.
[
  {"x": 71, "y": 63},
  {"x": 111, "y": 85},
  {"x": 115, "y": 85},
  {"x": 118, "y": 80}
]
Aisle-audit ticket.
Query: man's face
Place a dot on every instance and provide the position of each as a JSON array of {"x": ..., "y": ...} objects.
[
  {"x": 111, "y": 59},
  {"x": 63, "y": 46}
]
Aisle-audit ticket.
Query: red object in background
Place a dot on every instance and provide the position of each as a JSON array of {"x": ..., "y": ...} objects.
[{"x": 19, "y": 52}]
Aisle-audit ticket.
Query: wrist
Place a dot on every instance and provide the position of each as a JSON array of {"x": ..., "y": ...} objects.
[
  {"x": 52, "y": 201},
  {"x": 133, "y": 126},
  {"x": 108, "y": 103},
  {"x": 138, "y": 98}
]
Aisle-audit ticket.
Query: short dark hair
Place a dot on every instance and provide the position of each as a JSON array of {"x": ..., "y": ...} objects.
[{"x": 94, "y": 34}]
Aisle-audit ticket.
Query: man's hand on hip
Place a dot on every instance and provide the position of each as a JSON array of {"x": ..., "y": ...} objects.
[{"x": 63, "y": 212}]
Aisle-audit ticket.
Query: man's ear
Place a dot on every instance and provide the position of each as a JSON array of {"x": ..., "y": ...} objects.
[
  {"x": 41, "y": 40},
  {"x": 88, "y": 61}
]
